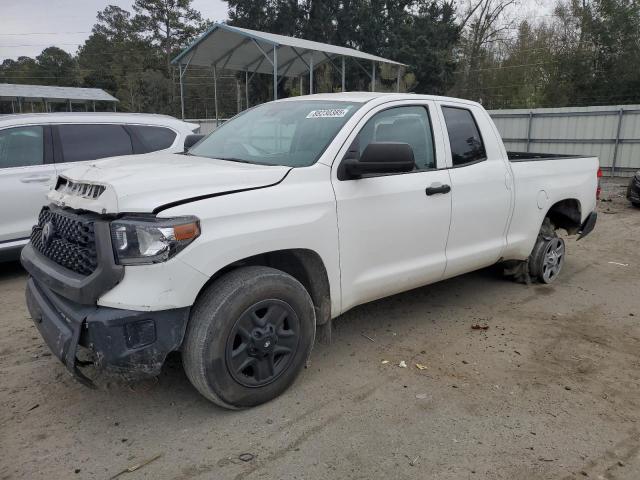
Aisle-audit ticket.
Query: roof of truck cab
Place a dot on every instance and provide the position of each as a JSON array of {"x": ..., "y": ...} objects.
[
  {"x": 364, "y": 97},
  {"x": 91, "y": 117}
]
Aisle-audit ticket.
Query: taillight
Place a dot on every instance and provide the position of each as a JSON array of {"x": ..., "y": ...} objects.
[{"x": 598, "y": 188}]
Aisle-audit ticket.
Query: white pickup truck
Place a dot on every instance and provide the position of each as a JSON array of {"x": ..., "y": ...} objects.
[{"x": 279, "y": 221}]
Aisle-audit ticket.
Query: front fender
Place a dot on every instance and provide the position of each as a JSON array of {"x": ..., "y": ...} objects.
[{"x": 299, "y": 213}]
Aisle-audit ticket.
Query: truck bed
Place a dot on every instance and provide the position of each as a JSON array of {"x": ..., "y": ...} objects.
[{"x": 533, "y": 157}]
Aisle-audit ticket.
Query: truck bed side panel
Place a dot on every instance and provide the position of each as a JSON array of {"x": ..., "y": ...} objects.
[{"x": 538, "y": 186}]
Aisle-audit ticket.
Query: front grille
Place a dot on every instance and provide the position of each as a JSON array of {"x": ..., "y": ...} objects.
[{"x": 66, "y": 238}]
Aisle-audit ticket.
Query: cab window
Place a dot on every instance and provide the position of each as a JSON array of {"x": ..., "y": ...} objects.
[
  {"x": 406, "y": 125},
  {"x": 464, "y": 136}
]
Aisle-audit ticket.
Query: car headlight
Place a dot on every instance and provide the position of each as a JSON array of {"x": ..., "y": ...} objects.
[{"x": 145, "y": 240}]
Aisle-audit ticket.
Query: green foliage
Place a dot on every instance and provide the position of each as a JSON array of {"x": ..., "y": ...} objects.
[
  {"x": 420, "y": 33},
  {"x": 586, "y": 53}
]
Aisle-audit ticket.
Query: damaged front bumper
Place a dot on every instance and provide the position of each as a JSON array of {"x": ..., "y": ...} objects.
[{"x": 123, "y": 342}]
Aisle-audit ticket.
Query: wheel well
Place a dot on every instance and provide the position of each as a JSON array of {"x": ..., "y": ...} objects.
[
  {"x": 566, "y": 214},
  {"x": 306, "y": 266}
]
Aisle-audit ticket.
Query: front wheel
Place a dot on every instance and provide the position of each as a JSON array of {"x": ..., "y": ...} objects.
[{"x": 249, "y": 336}]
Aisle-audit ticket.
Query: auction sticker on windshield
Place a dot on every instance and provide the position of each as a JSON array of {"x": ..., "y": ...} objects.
[{"x": 329, "y": 113}]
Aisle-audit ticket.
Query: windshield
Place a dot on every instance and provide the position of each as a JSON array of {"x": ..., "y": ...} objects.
[{"x": 292, "y": 134}]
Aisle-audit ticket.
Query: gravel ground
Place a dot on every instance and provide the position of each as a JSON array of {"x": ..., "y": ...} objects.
[{"x": 549, "y": 390}]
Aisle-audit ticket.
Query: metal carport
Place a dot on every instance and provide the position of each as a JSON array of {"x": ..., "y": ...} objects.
[
  {"x": 20, "y": 94},
  {"x": 240, "y": 49}
]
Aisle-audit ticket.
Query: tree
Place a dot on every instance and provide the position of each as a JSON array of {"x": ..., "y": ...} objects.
[
  {"x": 58, "y": 67},
  {"x": 421, "y": 33},
  {"x": 168, "y": 24}
]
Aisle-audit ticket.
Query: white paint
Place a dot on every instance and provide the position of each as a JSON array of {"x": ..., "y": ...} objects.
[{"x": 376, "y": 236}]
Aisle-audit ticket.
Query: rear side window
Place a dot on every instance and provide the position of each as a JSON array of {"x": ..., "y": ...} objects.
[
  {"x": 21, "y": 147},
  {"x": 464, "y": 136},
  {"x": 155, "y": 138},
  {"x": 90, "y": 142}
]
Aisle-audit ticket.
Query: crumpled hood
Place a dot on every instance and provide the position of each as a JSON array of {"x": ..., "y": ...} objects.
[{"x": 143, "y": 183}]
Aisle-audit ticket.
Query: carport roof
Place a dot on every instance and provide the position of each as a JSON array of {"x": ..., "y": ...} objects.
[
  {"x": 235, "y": 48},
  {"x": 9, "y": 91}
]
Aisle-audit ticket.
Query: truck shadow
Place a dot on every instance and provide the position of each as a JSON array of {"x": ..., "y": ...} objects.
[
  {"x": 11, "y": 270},
  {"x": 416, "y": 312}
]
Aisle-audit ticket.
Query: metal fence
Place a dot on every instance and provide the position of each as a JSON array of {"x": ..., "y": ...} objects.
[
  {"x": 611, "y": 133},
  {"x": 207, "y": 125}
]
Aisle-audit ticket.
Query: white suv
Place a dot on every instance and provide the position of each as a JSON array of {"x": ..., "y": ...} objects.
[{"x": 35, "y": 148}]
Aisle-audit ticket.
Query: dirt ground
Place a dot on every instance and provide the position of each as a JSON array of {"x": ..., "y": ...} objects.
[{"x": 550, "y": 390}]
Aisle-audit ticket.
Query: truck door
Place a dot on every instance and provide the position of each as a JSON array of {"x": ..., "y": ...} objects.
[
  {"x": 393, "y": 228},
  {"x": 26, "y": 173},
  {"x": 480, "y": 188}
]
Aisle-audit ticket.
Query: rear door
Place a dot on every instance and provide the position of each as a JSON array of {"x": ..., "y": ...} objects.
[
  {"x": 392, "y": 228},
  {"x": 480, "y": 187},
  {"x": 26, "y": 173}
]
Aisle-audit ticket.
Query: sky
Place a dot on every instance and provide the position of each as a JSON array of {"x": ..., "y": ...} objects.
[{"x": 29, "y": 26}]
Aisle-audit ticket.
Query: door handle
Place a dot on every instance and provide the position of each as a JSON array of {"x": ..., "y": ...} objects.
[
  {"x": 36, "y": 179},
  {"x": 435, "y": 188}
]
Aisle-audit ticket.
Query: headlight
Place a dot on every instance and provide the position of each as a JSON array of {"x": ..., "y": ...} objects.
[{"x": 144, "y": 240}]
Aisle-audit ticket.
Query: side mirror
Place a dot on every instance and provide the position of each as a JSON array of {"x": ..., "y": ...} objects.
[
  {"x": 191, "y": 140},
  {"x": 380, "y": 157}
]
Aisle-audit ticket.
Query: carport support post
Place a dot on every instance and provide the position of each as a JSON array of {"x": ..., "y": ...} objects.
[
  {"x": 246, "y": 89},
  {"x": 615, "y": 148},
  {"x": 215, "y": 92},
  {"x": 275, "y": 73},
  {"x": 181, "y": 90},
  {"x": 343, "y": 76},
  {"x": 93, "y": 104},
  {"x": 373, "y": 76},
  {"x": 311, "y": 74},
  {"x": 398, "y": 79}
]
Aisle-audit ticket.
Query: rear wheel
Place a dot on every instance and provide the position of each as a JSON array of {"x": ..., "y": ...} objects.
[
  {"x": 547, "y": 258},
  {"x": 249, "y": 336}
]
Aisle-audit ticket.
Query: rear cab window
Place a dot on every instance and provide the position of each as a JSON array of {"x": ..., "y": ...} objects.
[
  {"x": 21, "y": 146},
  {"x": 467, "y": 146},
  {"x": 81, "y": 142}
]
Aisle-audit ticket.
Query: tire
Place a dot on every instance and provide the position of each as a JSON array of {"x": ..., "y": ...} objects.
[
  {"x": 249, "y": 336},
  {"x": 548, "y": 255},
  {"x": 636, "y": 204}
]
